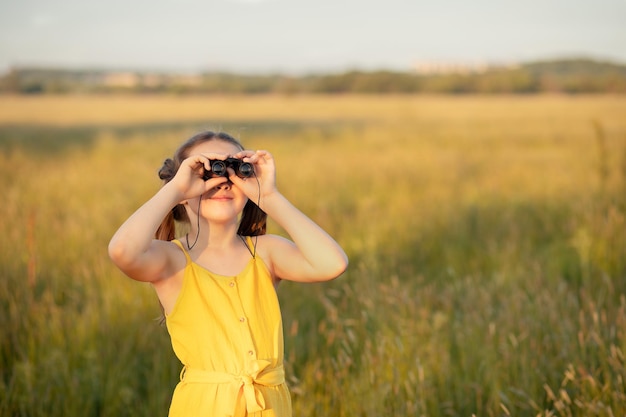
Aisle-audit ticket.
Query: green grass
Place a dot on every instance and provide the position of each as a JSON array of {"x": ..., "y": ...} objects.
[{"x": 487, "y": 275}]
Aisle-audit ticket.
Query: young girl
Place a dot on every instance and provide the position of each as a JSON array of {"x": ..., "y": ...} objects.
[{"x": 217, "y": 282}]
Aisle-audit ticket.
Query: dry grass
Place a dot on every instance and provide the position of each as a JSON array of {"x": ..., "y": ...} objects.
[
  {"x": 486, "y": 237},
  {"x": 519, "y": 112}
]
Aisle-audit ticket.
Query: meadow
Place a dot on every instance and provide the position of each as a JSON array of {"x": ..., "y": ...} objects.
[{"x": 486, "y": 237}]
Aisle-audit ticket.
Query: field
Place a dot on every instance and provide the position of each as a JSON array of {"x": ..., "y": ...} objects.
[{"x": 486, "y": 237}]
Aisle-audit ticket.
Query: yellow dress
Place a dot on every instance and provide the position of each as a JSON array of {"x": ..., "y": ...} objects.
[{"x": 228, "y": 333}]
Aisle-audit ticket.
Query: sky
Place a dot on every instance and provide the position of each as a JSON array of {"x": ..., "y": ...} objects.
[{"x": 304, "y": 36}]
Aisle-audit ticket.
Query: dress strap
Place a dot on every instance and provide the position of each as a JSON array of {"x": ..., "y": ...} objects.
[
  {"x": 247, "y": 240},
  {"x": 180, "y": 245}
]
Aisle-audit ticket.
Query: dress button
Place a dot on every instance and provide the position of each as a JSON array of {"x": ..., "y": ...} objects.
[
  {"x": 250, "y": 352},
  {"x": 242, "y": 319},
  {"x": 232, "y": 283}
]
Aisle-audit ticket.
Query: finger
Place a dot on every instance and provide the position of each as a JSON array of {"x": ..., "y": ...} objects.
[
  {"x": 246, "y": 186},
  {"x": 196, "y": 161},
  {"x": 256, "y": 157},
  {"x": 233, "y": 177},
  {"x": 243, "y": 154},
  {"x": 264, "y": 155},
  {"x": 214, "y": 182},
  {"x": 208, "y": 157},
  {"x": 235, "y": 180}
]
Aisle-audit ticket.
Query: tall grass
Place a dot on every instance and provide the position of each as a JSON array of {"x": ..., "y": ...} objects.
[{"x": 486, "y": 238}]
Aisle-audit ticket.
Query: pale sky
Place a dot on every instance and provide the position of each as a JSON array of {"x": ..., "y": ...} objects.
[{"x": 304, "y": 36}]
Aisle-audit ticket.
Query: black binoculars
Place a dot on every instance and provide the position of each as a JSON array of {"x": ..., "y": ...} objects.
[{"x": 218, "y": 168}]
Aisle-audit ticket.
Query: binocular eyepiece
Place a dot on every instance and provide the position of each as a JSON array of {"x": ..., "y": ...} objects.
[{"x": 218, "y": 168}]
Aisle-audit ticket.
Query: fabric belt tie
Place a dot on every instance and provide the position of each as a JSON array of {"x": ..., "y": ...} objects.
[{"x": 256, "y": 374}]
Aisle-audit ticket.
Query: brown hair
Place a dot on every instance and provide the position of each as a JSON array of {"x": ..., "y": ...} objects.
[{"x": 253, "y": 220}]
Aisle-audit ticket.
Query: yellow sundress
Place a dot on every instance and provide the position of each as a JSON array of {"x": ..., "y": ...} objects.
[{"x": 227, "y": 331}]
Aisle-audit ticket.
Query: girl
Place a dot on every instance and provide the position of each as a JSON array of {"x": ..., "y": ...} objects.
[{"x": 217, "y": 282}]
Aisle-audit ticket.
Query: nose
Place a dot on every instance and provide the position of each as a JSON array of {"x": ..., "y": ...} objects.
[{"x": 226, "y": 185}]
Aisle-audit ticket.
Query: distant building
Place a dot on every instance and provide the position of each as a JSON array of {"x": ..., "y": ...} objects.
[
  {"x": 189, "y": 80},
  {"x": 151, "y": 80},
  {"x": 121, "y": 79}
]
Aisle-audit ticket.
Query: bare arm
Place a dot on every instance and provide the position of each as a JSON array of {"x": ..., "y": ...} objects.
[
  {"x": 313, "y": 255},
  {"x": 133, "y": 248}
]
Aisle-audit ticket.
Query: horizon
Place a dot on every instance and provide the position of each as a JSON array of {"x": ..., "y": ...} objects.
[{"x": 420, "y": 68}]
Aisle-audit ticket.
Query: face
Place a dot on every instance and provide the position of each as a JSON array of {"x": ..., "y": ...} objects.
[{"x": 225, "y": 202}]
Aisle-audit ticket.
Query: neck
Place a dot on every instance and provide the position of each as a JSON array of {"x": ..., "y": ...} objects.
[{"x": 212, "y": 236}]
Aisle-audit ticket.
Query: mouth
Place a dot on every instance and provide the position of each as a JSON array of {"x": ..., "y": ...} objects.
[{"x": 220, "y": 197}]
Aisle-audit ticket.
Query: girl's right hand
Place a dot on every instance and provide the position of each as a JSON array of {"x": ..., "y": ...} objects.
[{"x": 189, "y": 180}]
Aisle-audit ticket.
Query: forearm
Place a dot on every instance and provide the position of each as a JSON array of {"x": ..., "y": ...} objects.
[
  {"x": 324, "y": 255},
  {"x": 136, "y": 233}
]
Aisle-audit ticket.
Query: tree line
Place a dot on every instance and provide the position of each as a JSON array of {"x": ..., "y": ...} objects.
[{"x": 570, "y": 76}]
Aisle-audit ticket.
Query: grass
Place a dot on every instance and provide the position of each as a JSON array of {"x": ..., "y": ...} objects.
[{"x": 486, "y": 238}]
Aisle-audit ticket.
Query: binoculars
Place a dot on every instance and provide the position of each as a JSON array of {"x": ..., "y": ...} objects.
[{"x": 218, "y": 168}]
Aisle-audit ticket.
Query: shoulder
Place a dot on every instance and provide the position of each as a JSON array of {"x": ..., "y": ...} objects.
[
  {"x": 270, "y": 247},
  {"x": 169, "y": 285},
  {"x": 168, "y": 260},
  {"x": 175, "y": 260},
  {"x": 176, "y": 253}
]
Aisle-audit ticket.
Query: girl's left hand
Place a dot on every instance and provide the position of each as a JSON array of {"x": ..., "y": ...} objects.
[{"x": 264, "y": 171}]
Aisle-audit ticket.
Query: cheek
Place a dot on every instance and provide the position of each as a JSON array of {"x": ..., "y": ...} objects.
[
  {"x": 242, "y": 203},
  {"x": 240, "y": 196},
  {"x": 191, "y": 207}
]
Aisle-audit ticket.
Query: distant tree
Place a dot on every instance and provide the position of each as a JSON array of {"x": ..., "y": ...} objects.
[
  {"x": 10, "y": 82},
  {"x": 564, "y": 76},
  {"x": 506, "y": 81}
]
